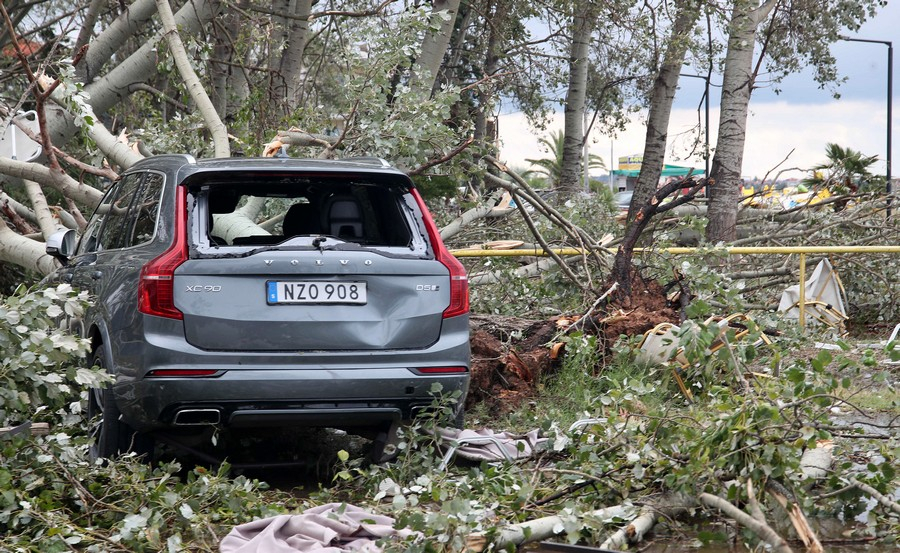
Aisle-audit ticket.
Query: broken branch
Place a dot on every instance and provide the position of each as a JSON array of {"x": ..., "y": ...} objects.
[{"x": 761, "y": 529}]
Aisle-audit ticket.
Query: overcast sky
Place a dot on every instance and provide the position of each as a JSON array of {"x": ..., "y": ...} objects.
[{"x": 789, "y": 130}]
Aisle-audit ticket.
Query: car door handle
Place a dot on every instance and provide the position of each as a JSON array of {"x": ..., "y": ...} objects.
[{"x": 96, "y": 275}]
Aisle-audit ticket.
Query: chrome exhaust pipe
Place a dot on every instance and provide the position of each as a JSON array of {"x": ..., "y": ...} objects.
[{"x": 197, "y": 417}]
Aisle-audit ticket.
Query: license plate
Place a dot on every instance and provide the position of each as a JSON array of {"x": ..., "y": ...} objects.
[{"x": 312, "y": 291}]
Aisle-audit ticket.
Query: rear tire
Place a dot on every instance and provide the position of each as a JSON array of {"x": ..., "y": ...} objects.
[
  {"x": 459, "y": 420},
  {"x": 112, "y": 436}
]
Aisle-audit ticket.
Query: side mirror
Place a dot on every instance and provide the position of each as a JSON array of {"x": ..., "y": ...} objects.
[{"x": 61, "y": 245}]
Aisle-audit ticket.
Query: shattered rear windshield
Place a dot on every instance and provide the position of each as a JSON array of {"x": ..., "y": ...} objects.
[{"x": 255, "y": 213}]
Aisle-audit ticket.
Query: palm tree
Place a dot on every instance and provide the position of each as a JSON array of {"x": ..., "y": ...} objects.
[
  {"x": 551, "y": 167},
  {"x": 845, "y": 172}
]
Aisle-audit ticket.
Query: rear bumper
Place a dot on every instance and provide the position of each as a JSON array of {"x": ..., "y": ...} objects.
[
  {"x": 285, "y": 397},
  {"x": 335, "y": 389}
]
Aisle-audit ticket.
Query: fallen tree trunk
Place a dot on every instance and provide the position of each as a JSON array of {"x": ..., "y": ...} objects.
[
  {"x": 534, "y": 530},
  {"x": 760, "y": 528},
  {"x": 478, "y": 212},
  {"x": 634, "y": 532},
  {"x": 527, "y": 271},
  {"x": 671, "y": 506}
]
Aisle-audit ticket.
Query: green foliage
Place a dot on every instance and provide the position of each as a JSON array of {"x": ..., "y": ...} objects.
[
  {"x": 38, "y": 369},
  {"x": 551, "y": 167},
  {"x": 845, "y": 172},
  {"x": 52, "y": 499},
  {"x": 437, "y": 186},
  {"x": 73, "y": 96},
  {"x": 795, "y": 40}
]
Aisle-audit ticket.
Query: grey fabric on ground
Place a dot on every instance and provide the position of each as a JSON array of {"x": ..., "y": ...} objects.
[
  {"x": 330, "y": 528},
  {"x": 487, "y": 445}
]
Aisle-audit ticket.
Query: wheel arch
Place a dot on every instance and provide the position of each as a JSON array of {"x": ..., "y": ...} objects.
[{"x": 99, "y": 340}]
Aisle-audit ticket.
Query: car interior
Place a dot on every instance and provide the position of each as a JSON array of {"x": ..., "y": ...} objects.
[{"x": 362, "y": 213}]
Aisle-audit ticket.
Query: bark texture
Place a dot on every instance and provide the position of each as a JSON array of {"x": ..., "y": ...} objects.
[
  {"x": 582, "y": 27},
  {"x": 291, "y": 67},
  {"x": 435, "y": 43},
  {"x": 25, "y": 252},
  {"x": 737, "y": 85},
  {"x": 661, "y": 98},
  {"x": 106, "y": 44}
]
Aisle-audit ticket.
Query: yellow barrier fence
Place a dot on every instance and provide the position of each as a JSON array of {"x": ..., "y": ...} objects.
[{"x": 801, "y": 251}]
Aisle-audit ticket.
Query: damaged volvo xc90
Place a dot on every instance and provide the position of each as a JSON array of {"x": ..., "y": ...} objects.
[{"x": 245, "y": 293}]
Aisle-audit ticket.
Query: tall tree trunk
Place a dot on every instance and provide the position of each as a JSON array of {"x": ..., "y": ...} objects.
[
  {"x": 113, "y": 37},
  {"x": 737, "y": 85},
  {"x": 292, "y": 57},
  {"x": 661, "y": 98},
  {"x": 434, "y": 45},
  {"x": 484, "y": 131},
  {"x": 582, "y": 27},
  {"x": 192, "y": 81}
]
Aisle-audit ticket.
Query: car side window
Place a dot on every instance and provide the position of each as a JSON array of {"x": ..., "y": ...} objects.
[
  {"x": 141, "y": 223},
  {"x": 90, "y": 240},
  {"x": 113, "y": 233}
]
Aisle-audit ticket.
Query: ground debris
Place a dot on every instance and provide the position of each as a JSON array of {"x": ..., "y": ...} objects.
[{"x": 510, "y": 355}]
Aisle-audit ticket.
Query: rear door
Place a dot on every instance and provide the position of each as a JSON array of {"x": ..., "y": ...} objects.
[
  {"x": 108, "y": 257},
  {"x": 317, "y": 292}
]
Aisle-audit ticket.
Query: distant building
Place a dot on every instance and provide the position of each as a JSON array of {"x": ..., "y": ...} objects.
[{"x": 625, "y": 177}]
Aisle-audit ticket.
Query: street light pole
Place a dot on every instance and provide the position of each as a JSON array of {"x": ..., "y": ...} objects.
[
  {"x": 890, "y": 96},
  {"x": 706, "y": 123}
]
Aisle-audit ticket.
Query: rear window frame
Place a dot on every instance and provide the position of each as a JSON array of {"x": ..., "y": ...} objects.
[{"x": 200, "y": 246}]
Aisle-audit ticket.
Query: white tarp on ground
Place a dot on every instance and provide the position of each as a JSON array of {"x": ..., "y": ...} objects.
[
  {"x": 490, "y": 446},
  {"x": 824, "y": 297},
  {"x": 330, "y": 528}
]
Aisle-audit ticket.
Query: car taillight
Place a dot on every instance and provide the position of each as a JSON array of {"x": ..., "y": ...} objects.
[
  {"x": 156, "y": 288},
  {"x": 459, "y": 282}
]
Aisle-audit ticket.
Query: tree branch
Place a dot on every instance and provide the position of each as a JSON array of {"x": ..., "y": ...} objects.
[
  {"x": 192, "y": 82},
  {"x": 317, "y": 15},
  {"x": 761, "y": 529},
  {"x": 881, "y": 498},
  {"x": 443, "y": 159}
]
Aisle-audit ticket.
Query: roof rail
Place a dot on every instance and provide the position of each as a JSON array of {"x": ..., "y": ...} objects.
[
  {"x": 371, "y": 160},
  {"x": 187, "y": 158}
]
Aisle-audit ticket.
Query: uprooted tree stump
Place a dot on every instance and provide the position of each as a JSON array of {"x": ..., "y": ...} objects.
[
  {"x": 505, "y": 369},
  {"x": 636, "y": 305},
  {"x": 644, "y": 308},
  {"x": 509, "y": 357}
]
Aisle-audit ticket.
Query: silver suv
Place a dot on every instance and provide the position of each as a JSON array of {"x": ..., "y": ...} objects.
[{"x": 266, "y": 293}]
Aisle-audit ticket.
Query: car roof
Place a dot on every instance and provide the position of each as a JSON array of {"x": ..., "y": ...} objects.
[{"x": 183, "y": 166}]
